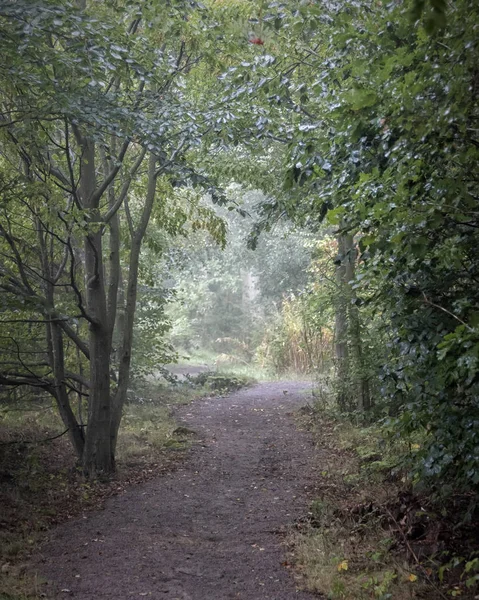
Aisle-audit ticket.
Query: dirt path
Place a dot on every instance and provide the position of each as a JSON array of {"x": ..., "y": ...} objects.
[{"x": 211, "y": 530}]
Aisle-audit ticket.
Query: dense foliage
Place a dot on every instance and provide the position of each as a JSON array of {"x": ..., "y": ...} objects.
[
  {"x": 356, "y": 122},
  {"x": 225, "y": 299},
  {"x": 380, "y": 117}
]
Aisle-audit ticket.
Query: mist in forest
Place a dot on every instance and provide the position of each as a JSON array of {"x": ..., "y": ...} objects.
[{"x": 198, "y": 198}]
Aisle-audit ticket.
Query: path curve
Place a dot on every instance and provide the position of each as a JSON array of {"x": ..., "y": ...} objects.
[{"x": 211, "y": 530}]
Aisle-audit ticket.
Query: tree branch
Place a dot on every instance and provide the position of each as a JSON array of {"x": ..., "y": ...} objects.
[
  {"x": 50, "y": 439},
  {"x": 448, "y": 312},
  {"x": 124, "y": 190}
]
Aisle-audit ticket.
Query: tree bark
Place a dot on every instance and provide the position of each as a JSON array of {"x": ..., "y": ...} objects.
[
  {"x": 98, "y": 457},
  {"x": 114, "y": 270},
  {"x": 55, "y": 349},
  {"x": 75, "y": 431},
  {"x": 130, "y": 303},
  {"x": 341, "y": 330},
  {"x": 363, "y": 398}
]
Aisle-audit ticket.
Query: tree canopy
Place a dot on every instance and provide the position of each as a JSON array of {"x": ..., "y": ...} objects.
[{"x": 123, "y": 127}]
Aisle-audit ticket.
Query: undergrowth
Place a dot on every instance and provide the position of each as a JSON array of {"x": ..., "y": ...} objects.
[{"x": 371, "y": 534}]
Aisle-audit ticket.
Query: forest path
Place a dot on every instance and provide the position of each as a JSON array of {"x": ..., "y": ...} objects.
[{"x": 211, "y": 530}]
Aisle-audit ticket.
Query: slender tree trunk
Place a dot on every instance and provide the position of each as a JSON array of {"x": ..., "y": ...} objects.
[
  {"x": 341, "y": 330},
  {"x": 114, "y": 271},
  {"x": 119, "y": 327},
  {"x": 55, "y": 349},
  {"x": 125, "y": 358},
  {"x": 360, "y": 375},
  {"x": 130, "y": 303},
  {"x": 75, "y": 432}
]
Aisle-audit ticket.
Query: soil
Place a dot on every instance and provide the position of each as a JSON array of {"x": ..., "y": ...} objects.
[{"x": 214, "y": 528}]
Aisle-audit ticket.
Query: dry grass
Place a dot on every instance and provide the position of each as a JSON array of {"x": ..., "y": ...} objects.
[
  {"x": 345, "y": 548},
  {"x": 341, "y": 563},
  {"x": 145, "y": 430}
]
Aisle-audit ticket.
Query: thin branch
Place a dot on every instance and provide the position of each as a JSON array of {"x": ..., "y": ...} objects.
[
  {"x": 72, "y": 282},
  {"x": 18, "y": 259},
  {"x": 82, "y": 346},
  {"x": 55, "y": 171},
  {"x": 17, "y": 380},
  {"x": 43, "y": 321},
  {"x": 61, "y": 267},
  {"x": 20, "y": 442},
  {"x": 78, "y": 378},
  {"x": 124, "y": 190},
  {"x": 129, "y": 219},
  {"x": 98, "y": 193},
  {"x": 172, "y": 158},
  {"x": 448, "y": 312},
  {"x": 413, "y": 554},
  {"x": 73, "y": 388},
  {"x": 71, "y": 171}
]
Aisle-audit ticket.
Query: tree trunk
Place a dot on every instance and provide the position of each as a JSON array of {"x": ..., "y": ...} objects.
[
  {"x": 98, "y": 456},
  {"x": 55, "y": 349},
  {"x": 360, "y": 375},
  {"x": 75, "y": 432},
  {"x": 130, "y": 304},
  {"x": 114, "y": 271},
  {"x": 341, "y": 330}
]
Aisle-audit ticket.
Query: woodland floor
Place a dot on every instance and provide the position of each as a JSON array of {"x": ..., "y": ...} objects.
[{"x": 214, "y": 528}]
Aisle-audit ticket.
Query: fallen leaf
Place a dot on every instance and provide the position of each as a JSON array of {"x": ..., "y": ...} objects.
[{"x": 343, "y": 565}]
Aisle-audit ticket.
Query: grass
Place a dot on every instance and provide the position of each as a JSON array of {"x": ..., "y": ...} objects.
[
  {"x": 226, "y": 363},
  {"x": 349, "y": 567},
  {"x": 148, "y": 426},
  {"x": 342, "y": 550},
  {"x": 18, "y": 585},
  {"x": 350, "y": 558},
  {"x": 34, "y": 477},
  {"x": 145, "y": 430},
  {"x": 368, "y": 535}
]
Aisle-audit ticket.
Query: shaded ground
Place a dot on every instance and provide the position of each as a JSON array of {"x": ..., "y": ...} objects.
[{"x": 211, "y": 530}]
